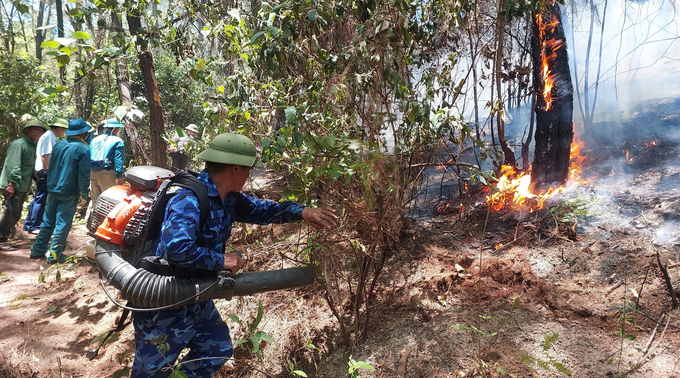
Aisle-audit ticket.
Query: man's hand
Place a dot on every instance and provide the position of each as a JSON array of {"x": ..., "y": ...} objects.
[
  {"x": 9, "y": 190},
  {"x": 120, "y": 181},
  {"x": 233, "y": 263},
  {"x": 319, "y": 217}
]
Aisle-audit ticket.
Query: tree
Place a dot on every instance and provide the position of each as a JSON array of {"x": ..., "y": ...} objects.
[
  {"x": 156, "y": 123},
  {"x": 554, "y": 99},
  {"x": 123, "y": 83}
]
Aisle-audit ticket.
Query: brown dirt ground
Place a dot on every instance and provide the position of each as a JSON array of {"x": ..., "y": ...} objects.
[{"x": 450, "y": 304}]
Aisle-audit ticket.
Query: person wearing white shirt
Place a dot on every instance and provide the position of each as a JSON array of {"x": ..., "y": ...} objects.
[{"x": 42, "y": 163}]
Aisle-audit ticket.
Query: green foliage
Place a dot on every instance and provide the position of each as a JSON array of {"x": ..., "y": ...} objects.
[
  {"x": 548, "y": 361},
  {"x": 294, "y": 372},
  {"x": 469, "y": 327},
  {"x": 569, "y": 211},
  {"x": 161, "y": 343},
  {"x": 354, "y": 366},
  {"x": 21, "y": 97},
  {"x": 71, "y": 264},
  {"x": 253, "y": 337}
]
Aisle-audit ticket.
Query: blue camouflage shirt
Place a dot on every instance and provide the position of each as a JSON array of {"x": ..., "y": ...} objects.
[{"x": 180, "y": 228}]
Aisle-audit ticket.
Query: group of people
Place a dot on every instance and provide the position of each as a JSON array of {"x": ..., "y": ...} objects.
[
  {"x": 64, "y": 172},
  {"x": 75, "y": 168},
  {"x": 82, "y": 167}
]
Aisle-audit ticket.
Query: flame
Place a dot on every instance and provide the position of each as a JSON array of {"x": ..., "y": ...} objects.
[
  {"x": 441, "y": 166},
  {"x": 444, "y": 209},
  {"x": 513, "y": 187},
  {"x": 628, "y": 158},
  {"x": 498, "y": 246},
  {"x": 548, "y": 56}
]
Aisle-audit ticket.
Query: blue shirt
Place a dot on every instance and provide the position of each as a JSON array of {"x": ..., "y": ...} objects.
[
  {"x": 69, "y": 172},
  {"x": 180, "y": 228},
  {"x": 107, "y": 153}
]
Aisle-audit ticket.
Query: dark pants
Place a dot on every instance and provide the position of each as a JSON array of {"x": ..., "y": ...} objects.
[
  {"x": 196, "y": 326},
  {"x": 179, "y": 161},
  {"x": 37, "y": 206},
  {"x": 11, "y": 213}
]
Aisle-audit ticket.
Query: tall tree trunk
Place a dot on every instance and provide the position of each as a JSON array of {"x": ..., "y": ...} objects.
[
  {"x": 509, "y": 155},
  {"x": 473, "y": 63},
  {"x": 39, "y": 34},
  {"x": 586, "y": 85},
  {"x": 3, "y": 32},
  {"x": 60, "y": 34},
  {"x": 554, "y": 100},
  {"x": 578, "y": 93},
  {"x": 78, "y": 82},
  {"x": 599, "y": 64},
  {"x": 9, "y": 30},
  {"x": 530, "y": 134},
  {"x": 158, "y": 146},
  {"x": 139, "y": 152}
]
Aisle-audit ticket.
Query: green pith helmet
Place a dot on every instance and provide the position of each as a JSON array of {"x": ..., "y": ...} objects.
[
  {"x": 231, "y": 148},
  {"x": 59, "y": 122},
  {"x": 192, "y": 127},
  {"x": 33, "y": 123}
]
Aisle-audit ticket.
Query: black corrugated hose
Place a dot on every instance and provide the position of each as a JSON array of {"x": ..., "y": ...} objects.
[{"x": 152, "y": 292}]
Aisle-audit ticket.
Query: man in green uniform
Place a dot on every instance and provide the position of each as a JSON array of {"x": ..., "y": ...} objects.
[
  {"x": 68, "y": 178},
  {"x": 17, "y": 171}
]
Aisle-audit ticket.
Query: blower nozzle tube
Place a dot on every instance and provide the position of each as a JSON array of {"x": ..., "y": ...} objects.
[{"x": 149, "y": 290}]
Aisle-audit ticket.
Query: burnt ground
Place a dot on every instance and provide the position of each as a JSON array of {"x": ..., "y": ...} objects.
[{"x": 576, "y": 289}]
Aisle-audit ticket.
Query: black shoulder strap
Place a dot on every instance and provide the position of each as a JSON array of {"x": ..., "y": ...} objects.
[
  {"x": 191, "y": 182},
  {"x": 184, "y": 180}
]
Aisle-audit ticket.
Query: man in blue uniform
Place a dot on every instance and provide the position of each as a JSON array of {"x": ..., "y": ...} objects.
[
  {"x": 68, "y": 178},
  {"x": 107, "y": 151},
  {"x": 199, "y": 326}
]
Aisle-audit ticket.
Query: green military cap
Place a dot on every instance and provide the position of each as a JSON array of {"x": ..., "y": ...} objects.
[
  {"x": 231, "y": 148},
  {"x": 33, "y": 123},
  {"x": 59, "y": 122},
  {"x": 192, "y": 127}
]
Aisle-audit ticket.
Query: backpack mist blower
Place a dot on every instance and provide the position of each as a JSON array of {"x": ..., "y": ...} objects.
[{"x": 125, "y": 223}]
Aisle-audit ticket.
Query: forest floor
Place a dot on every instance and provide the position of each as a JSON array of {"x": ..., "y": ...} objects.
[{"x": 576, "y": 290}]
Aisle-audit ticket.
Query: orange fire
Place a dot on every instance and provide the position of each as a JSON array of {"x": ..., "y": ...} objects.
[
  {"x": 547, "y": 60},
  {"x": 441, "y": 166},
  {"x": 628, "y": 158},
  {"x": 513, "y": 187}
]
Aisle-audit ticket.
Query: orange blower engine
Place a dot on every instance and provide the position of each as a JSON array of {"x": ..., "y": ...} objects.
[
  {"x": 121, "y": 213},
  {"x": 123, "y": 241},
  {"x": 122, "y": 233}
]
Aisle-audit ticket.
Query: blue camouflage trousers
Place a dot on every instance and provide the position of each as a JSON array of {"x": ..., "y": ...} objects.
[{"x": 196, "y": 326}]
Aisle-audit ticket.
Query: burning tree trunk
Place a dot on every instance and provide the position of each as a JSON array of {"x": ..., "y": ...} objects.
[{"x": 554, "y": 100}]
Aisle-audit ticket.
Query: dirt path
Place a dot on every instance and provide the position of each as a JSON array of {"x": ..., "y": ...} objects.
[{"x": 47, "y": 327}]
